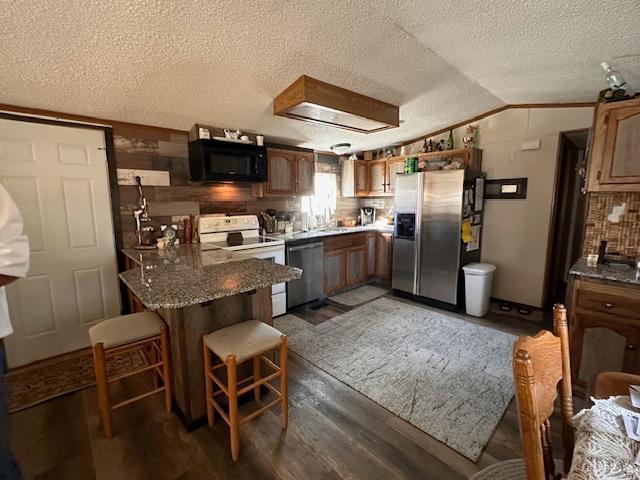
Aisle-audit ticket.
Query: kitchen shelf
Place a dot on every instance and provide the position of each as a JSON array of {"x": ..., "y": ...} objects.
[{"x": 471, "y": 157}]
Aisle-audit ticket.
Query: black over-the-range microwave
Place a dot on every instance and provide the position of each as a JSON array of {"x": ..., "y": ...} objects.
[{"x": 220, "y": 161}]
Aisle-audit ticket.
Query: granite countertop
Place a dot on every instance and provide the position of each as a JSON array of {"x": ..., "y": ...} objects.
[
  {"x": 192, "y": 255},
  {"x": 186, "y": 275},
  {"x": 623, "y": 274},
  {"x": 313, "y": 234}
]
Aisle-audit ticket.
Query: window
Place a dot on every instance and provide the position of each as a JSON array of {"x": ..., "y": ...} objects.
[{"x": 324, "y": 197}]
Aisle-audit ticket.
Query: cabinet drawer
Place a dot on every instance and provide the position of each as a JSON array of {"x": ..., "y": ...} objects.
[
  {"x": 610, "y": 300},
  {"x": 345, "y": 241}
]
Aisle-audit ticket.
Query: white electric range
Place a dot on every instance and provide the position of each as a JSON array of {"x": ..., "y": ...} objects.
[{"x": 242, "y": 233}]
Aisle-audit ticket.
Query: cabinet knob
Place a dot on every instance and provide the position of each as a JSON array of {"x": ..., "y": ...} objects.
[
  {"x": 607, "y": 305},
  {"x": 631, "y": 347}
]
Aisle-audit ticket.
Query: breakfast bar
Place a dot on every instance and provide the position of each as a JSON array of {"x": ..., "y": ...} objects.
[{"x": 197, "y": 289}]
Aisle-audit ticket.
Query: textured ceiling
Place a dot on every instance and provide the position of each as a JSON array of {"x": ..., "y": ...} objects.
[{"x": 172, "y": 64}]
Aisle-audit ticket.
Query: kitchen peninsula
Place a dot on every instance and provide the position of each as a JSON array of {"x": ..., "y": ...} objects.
[{"x": 197, "y": 289}]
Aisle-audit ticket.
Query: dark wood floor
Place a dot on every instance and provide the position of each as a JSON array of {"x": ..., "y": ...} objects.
[{"x": 334, "y": 433}]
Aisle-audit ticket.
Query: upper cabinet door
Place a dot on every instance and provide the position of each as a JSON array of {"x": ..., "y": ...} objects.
[
  {"x": 394, "y": 167},
  {"x": 615, "y": 156},
  {"x": 362, "y": 178},
  {"x": 622, "y": 147},
  {"x": 305, "y": 171},
  {"x": 378, "y": 176},
  {"x": 281, "y": 171}
]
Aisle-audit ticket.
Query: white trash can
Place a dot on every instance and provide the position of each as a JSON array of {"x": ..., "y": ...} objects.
[{"x": 478, "y": 279}]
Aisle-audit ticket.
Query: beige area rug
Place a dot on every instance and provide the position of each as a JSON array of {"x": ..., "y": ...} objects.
[
  {"x": 447, "y": 376},
  {"x": 42, "y": 381},
  {"x": 359, "y": 295}
]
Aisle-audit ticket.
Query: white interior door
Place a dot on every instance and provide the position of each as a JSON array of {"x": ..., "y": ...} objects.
[{"x": 58, "y": 177}]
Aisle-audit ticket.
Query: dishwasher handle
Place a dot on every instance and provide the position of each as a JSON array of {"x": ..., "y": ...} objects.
[{"x": 306, "y": 246}]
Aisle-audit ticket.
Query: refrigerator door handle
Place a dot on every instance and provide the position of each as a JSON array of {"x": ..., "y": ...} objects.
[
  {"x": 418, "y": 234},
  {"x": 416, "y": 263}
]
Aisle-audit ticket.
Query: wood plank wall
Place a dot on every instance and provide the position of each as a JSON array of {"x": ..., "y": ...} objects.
[{"x": 151, "y": 148}]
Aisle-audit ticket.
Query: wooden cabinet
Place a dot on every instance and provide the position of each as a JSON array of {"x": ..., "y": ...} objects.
[
  {"x": 334, "y": 270},
  {"x": 384, "y": 255},
  {"x": 356, "y": 265},
  {"x": 600, "y": 346},
  {"x": 365, "y": 178},
  {"x": 281, "y": 177},
  {"x": 289, "y": 172},
  {"x": 614, "y": 163},
  {"x": 604, "y": 327},
  {"x": 350, "y": 259},
  {"x": 362, "y": 178},
  {"x": 305, "y": 171},
  {"x": 394, "y": 167},
  {"x": 371, "y": 253},
  {"x": 377, "y": 177}
]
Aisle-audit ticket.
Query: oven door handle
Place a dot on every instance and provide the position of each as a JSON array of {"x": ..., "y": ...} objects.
[{"x": 261, "y": 250}]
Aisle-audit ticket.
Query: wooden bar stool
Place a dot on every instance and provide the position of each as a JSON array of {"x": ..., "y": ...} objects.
[
  {"x": 248, "y": 340},
  {"x": 138, "y": 331}
]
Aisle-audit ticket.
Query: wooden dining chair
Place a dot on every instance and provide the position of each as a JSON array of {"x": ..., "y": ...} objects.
[
  {"x": 609, "y": 384},
  {"x": 542, "y": 373}
]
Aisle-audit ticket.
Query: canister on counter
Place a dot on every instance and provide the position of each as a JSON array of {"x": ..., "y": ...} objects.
[{"x": 410, "y": 165}]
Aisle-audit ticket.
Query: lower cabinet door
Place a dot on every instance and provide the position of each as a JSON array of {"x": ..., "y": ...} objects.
[
  {"x": 600, "y": 344},
  {"x": 371, "y": 254},
  {"x": 335, "y": 270},
  {"x": 384, "y": 256},
  {"x": 356, "y": 265}
]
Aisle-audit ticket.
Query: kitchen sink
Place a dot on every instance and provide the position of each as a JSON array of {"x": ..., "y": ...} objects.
[{"x": 335, "y": 229}]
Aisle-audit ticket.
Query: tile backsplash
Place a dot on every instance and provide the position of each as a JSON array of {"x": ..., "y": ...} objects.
[{"x": 622, "y": 237}]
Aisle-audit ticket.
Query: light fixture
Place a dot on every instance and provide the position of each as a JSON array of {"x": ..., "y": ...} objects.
[
  {"x": 340, "y": 148},
  {"x": 311, "y": 100}
]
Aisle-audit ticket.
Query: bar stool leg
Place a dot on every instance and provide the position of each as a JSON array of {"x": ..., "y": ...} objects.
[
  {"x": 208, "y": 383},
  {"x": 256, "y": 376},
  {"x": 166, "y": 367},
  {"x": 232, "y": 386},
  {"x": 283, "y": 382},
  {"x": 103, "y": 388},
  {"x": 152, "y": 357}
]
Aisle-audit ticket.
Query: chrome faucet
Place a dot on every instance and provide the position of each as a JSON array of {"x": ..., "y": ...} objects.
[{"x": 140, "y": 213}]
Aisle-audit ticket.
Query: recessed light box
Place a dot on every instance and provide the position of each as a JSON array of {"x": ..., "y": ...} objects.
[{"x": 314, "y": 101}]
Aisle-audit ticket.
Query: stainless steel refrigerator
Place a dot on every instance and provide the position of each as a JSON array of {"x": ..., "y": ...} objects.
[{"x": 429, "y": 248}]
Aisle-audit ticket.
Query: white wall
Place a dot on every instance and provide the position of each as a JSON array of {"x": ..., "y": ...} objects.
[{"x": 516, "y": 232}]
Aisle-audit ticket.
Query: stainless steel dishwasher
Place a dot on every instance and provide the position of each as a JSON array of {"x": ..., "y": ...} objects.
[{"x": 310, "y": 258}]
